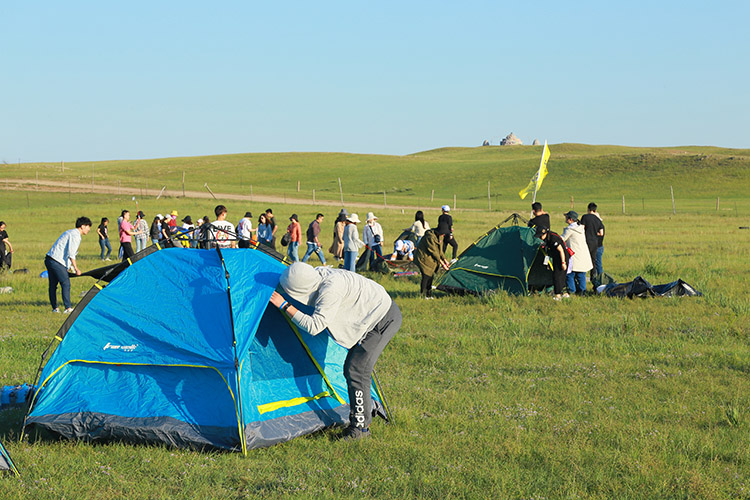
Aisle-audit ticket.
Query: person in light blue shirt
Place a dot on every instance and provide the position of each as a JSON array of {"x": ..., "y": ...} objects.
[{"x": 60, "y": 258}]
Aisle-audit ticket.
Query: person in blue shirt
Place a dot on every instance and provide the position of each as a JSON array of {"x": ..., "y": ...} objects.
[{"x": 60, "y": 258}]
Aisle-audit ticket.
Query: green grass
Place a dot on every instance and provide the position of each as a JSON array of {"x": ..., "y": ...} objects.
[
  {"x": 503, "y": 397},
  {"x": 606, "y": 174}
]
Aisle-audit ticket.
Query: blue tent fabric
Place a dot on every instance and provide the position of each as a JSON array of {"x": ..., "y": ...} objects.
[
  {"x": 6, "y": 464},
  {"x": 182, "y": 348}
]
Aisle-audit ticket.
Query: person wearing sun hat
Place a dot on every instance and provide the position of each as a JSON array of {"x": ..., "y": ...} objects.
[
  {"x": 245, "y": 230},
  {"x": 360, "y": 316},
  {"x": 173, "y": 219},
  {"x": 372, "y": 235},
  {"x": 352, "y": 243}
]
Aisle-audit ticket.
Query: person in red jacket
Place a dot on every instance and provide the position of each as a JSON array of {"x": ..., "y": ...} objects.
[{"x": 295, "y": 233}]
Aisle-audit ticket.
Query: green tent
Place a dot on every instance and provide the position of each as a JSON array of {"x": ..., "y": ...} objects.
[{"x": 505, "y": 258}]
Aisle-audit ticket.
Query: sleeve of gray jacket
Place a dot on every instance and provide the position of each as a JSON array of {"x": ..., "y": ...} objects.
[{"x": 326, "y": 308}]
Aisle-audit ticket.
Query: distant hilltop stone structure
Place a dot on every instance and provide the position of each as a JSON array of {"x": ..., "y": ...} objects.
[
  {"x": 536, "y": 143},
  {"x": 511, "y": 140}
]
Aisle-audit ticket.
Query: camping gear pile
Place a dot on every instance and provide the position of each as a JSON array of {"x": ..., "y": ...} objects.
[{"x": 639, "y": 287}]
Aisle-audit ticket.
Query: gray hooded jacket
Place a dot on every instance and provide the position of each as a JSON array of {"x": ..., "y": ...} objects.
[{"x": 348, "y": 304}]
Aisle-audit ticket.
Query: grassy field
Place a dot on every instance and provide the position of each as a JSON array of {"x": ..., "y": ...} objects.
[
  {"x": 503, "y": 397},
  {"x": 431, "y": 178}
]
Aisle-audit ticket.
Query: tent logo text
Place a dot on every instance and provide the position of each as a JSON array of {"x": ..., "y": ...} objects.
[
  {"x": 481, "y": 266},
  {"x": 126, "y": 348}
]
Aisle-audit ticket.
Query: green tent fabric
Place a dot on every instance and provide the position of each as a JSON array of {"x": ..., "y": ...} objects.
[{"x": 505, "y": 258}]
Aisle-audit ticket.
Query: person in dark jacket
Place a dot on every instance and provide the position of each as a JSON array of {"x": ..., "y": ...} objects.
[
  {"x": 429, "y": 259},
  {"x": 558, "y": 256},
  {"x": 541, "y": 218}
]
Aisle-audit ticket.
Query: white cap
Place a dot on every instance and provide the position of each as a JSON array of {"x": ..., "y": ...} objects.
[{"x": 445, "y": 208}]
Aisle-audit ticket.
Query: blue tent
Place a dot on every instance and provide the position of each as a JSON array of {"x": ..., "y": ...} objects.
[
  {"x": 6, "y": 464},
  {"x": 182, "y": 348}
]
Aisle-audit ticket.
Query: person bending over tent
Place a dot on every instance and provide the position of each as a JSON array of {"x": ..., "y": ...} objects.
[
  {"x": 558, "y": 256},
  {"x": 60, "y": 258},
  {"x": 360, "y": 316},
  {"x": 403, "y": 250},
  {"x": 430, "y": 258}
]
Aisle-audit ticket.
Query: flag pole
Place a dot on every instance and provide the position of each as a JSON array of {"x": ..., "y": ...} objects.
[{"x": 541, "y": 162}]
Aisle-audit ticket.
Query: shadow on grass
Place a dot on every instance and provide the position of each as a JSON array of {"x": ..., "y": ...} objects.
[{"x": 10, "y": 423}]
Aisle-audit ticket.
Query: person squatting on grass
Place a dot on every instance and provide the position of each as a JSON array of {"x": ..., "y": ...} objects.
[
  {"x": 360, "y": 316},
  {"x": 62, "y": 256},
  {"x": 430, "y": 258}
]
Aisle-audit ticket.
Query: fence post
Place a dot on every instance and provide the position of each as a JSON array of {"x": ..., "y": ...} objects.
[
  {"x": 385, "y": 201},
  {"x": 571, "y": 203},
  {"x": 298, "y": 186},
  {"x": 673, "y": 207},
  {"x": 623, "y": 204},
  {"x": 489, "y": 199},
  {"x": 313, "y": 197},
  {"x": 251, "y": 192},
  {"x": 341, "y": 191},
  {"x": 454, "y": 202},
  {"x": 432, "y": 196},
  {"x": 183, "y": 183},
  {"x": 717, "y": 203}
]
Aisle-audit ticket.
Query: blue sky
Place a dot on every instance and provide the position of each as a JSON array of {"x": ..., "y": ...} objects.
[{"x": 118, "y": 80}]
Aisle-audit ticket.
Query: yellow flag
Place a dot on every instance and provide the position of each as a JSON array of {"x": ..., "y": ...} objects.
[{"x": 536, "y": 182}]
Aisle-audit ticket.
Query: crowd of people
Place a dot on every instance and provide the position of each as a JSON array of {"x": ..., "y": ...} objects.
[
  {"x": 570, "y": 255},
  {"x": 573, "y": 253}
]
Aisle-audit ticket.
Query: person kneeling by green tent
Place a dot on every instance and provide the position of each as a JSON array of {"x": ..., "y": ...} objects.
[{"x": 360, "y": 316}]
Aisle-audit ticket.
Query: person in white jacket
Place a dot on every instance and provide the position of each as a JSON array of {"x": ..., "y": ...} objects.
[
  {"x": 574, "y": 237},
  {"x": 372, "y": 235},
  {"x": 360, "y": 316},
  {"x": 352, "y": 243}
]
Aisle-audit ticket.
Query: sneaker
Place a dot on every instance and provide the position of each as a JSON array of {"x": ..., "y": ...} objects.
[
  {"x": 68, "y": 310},
  {"x": 566, "y": 295},
  {"x": 429, "y": 298},
  {"x": 108, "y": 259},
  {"x": 353, "y": 433},
  {"x": 56, "y": 310},
  {"x": 556, "y": 297}
]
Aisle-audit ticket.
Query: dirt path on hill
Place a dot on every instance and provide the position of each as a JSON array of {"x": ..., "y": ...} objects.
[{"x": 64, "y": 187}]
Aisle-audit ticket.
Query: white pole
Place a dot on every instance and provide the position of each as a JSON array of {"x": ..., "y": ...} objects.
[
  {"x": 539, "y": 172},
  {"x": 341, "y": 191}
]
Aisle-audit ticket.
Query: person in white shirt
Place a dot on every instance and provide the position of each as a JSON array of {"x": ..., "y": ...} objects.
[
  {"x": 222, "y": 233},
  {"x": 245, "y": 230},
  {"x": 359, "y": 315},
  {"x": 60, "y": 258},
  {"x": 372, "y": 235}
]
